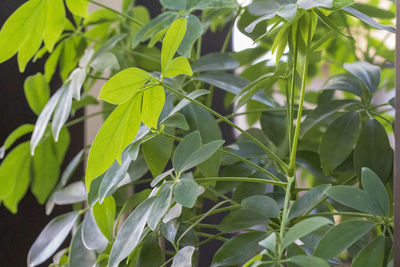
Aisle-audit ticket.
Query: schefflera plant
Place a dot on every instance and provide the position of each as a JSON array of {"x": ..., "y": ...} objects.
[{"x": 160, "y": 123}]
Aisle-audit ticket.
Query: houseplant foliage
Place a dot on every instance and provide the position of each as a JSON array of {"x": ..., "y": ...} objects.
[{"x": 308, "y": 183}]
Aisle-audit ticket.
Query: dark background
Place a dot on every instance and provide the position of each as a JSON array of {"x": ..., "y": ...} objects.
[{"x": 18, "y": 232}]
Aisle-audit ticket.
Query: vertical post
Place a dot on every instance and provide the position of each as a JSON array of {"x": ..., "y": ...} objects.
[{"x": 396, "y": 175}]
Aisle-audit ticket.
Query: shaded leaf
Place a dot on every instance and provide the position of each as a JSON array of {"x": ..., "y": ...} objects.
[{"x": 37, "y": 92}]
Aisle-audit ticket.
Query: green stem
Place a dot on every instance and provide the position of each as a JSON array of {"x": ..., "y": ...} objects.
[
  {"x": 216, "y": 236},
  {"x": 341, "y": 213},
  {"x": 212, "y": 237},
  {"x": 300, "y": 109},
  {"x": 116, "y": 12},
  {"x": 281, "y": 164},
  {"x": 80, "y": 119},
  {"x": 199, "y": 220},
  {"x": 285, "y": 213},
  {"x": 216, "y": 211},
  {"x": 292, "y": 94},
  {"x": 241, "y": 179}
]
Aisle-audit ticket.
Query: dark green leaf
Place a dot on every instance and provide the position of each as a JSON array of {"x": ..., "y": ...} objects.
[
  {"x": 189, "y": 144},
  {"x": 308, "y": 260},
  {"x": 176, "y": 120},
  {"x": 274, "y": 126},
  {"x": 186, "y": 191},
  {"x": 262, "y": 204},
  {"x": 215, "y": 61},
  {"x": 242, "y": 219},
  {"x": 150, "y": 254},
  {"x": 372, "y": 255},
  {"x": 363, "y": 17},
  {"x": 157, "y": 159},
  {"x": 368, "y": 74},
  {"x": 344, "y": 82},
  {"x": 377, "y": 191},
  {"x": 194, "y": 31},
  {"x": 341, "y": 237}
]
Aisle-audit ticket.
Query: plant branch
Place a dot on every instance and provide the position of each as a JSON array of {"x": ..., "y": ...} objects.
[{"x": 241, "y": 179}]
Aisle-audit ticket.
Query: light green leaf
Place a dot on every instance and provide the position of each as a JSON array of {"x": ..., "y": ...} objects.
[
  {"x": 189, "y": 144},
  {"x": 308, "y": 260},
  {"x": 37, "y": 92},
  {"x": 262, "y": 204},
  {"x": 15, "y": 135},
  {"x": 43, "y": 120},
  {"x": 117, "y": 132},
  {"x": 372, "y": 255},
  {"x": 79, "y": 255},
  {"x": 92, "y": 237},
  {"x": 51, "y": 237},
  {"x": 51, "y": 63},
  {"x": 194, "y": 31},
  {"x": 373, "y": 150},
  {"x": 341, "y": 237},
  {"x": 130, "y": 233},
  {"x": 15, "y": 176},
  {"x": 184, "y": 257},
  {"x": 160, "y": 207},
  {"x": 19, "y": 27},
  {"x": 376, "y": 190},
  {"x": 55, "y": 21},
  {"x": 184, "y": 102},
  {"x": 368, "y": 74},
  {"x": 242, "y": 219},
  {"x": 73, "y": 193},
  {"x": 186, "y": 191},
  {"x": 308, "y": 201},
  {"x": 156, "y": 158},
  {"x": 238, "y": 249},
  {"x": 303, "y": 228},
  {"x": 172, "y": 40},
  {"x": 123, "y": 85},
  {"x": 78, "y": 7},
  {"x": 339, "y": 140},
  {"x": 152, "y": 105},
  {"x": 178, "y": 66},
  {"x": 104, "y": 214}
]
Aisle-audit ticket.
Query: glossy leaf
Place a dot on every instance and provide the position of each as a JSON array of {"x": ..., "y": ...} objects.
[
  {"x": 37, "y": 92},
  {"x": 152, "y": 105},
  {"x": 361, "y": 16},
  {"x": 55, "y": 21},
  {"x": 184, "y": 257},
  {"x": 117, "y": 132},
  {"x": 173, "y": 213},
  {"x": 244, "y": 245},
  {"x": 104, "y": 214},
  {"x": 77, "y": 78},
  {"x": 92, "y": 237},
  {"x": 262, "y": 204},
  {"x": 186, "y": 191},
  {"x": 308, "y": 201},
  {"x": 373, "y": 151},
  {"x": 344, "y": 82},
  {"x": 62, "y": 111},
  {"x": 79, "y": 255},
  {"x": 157, "y": 159},
  {"x": 309, "y": 4},
  {"x": 73, "y": 193},
  {"x": 194, "y": 31},
  {"x": 376, "y": 190},
  {"x": 339, "y": 140},
  {"x": 340, "y": 237},
  {"x": 372, "y": 255},
  {"x": 368, "y": 74},
  {"x": 303, "y": 228},
  {"x": 150, "y": 254},
  {"x": 123, "y": 85},
  {"x": 242, "y": 219},
  {"x": 171, "y": 42},
  {"x": 130, "y": 233},
  {"x": 51, "y": 237},
  {"x": 160, "y": 207},
  {"x": 215, "y": 61},
  {"x": 308, "y": 260},
  {"x": 189, "y": 144}
]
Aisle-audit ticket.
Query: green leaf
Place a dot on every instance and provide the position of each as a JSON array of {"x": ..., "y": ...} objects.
[
  {"x": 158, "y": 159},
  {"x": 309, "y": 4},
  {"x": 77, "y": 78},
  {"x": 352, "y": 197},
  {"x": 189, "y": 144},
  {"x": 152, "y": 105},
  {"x": 150, "y": 254},
  {"x": 104, "y": 214},
  {"x": 215, "y": 61},
  {"x": 186, "y": 191},
  {"x": 78, "y": 7},
  {"x": 178, "y": 66},
  {"x": 368, "y": 74},
  {"x": 123, "y": 85},
  {"x": 344, "y": 82},
  {"x": 194, "y": 32},
  {"x": 92, "y": 237},
  {"x": 308, "y": 260},
  {"x": 73, "y": 193},
  {"x": 339, "y": 140},
  {"x": 274, "y": 126},
  {"x": 37, "y": 92},
  {"x": 114, "y": 175},
  {"x": 130, "y": 233},
  {"x": 15, "y": 176},
  {"x": 238, "y": 249},
  {"x": 368, "y": 20},
  {"x": 262, "y": 204},
  {"x": 55, "y": 21},
  {"x": 172, "y": 40},
  {"x": 62, "y": 111},
  {"x": 308, "y": 201},
  {"x": 340, "y": 237},
  {"x": 184, "y": 257},
  {"x": 105, "y": 61},
  {"x": 303, "y": 228},
  {"x": 15, "y": 135},
  {"x": 51, "y": 237},
  {"x": 176, "y": 120},
  {"x": 373, "y": 11},
  {"x": 51, "y": 63},
  {"x": 160, "y": 207},
  {"x": 269, "y": 7},
  {"x": 79, "y": 255},
  {"x": 43, "y": 120},
  {"x": 373, "y": 151},
  {"x": 372, "y": 255},
  {"x": 242, "y": 219},
  {"x": 377, "y": 191},
  {"x": 117, "y": 132},
  {"x": 174, "y": 4}
]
